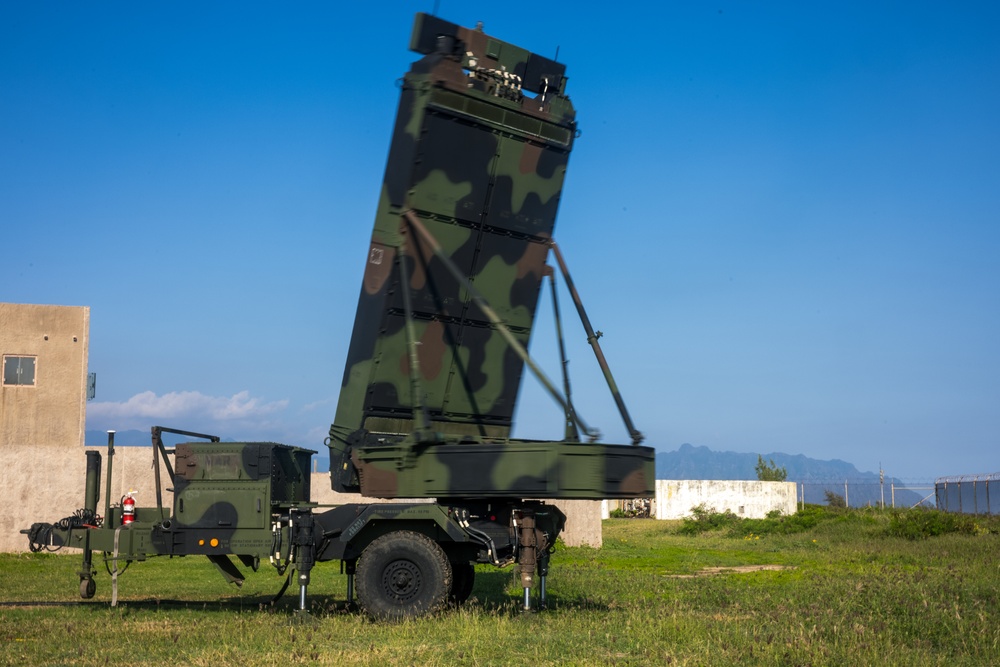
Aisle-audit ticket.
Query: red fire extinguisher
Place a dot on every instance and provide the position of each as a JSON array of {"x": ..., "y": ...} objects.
[{"x": 128, "y": 508}]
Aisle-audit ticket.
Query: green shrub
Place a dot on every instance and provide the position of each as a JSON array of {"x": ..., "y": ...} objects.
[
  {"x": 783, "y": 524},
  {"x": 834, "y": 499},
  {"x": 913, "y": 524},
  {"x": 919, "y": 524},
  {"x": 703, "y": 519},
  {"x": 769, "y": 471}
]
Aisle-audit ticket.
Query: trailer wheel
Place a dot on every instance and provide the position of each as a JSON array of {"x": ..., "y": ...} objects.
[
  {"x": 463, "y": 579},
  {"x": 403, "y": 574},
  {"x": 87, "y": 588}
]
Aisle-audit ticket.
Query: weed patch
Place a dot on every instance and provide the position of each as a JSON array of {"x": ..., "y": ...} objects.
[
  {"x": 919, "y": 524},
  {"x": 914, "y": 524},
  {"x": 705, "y": 519}
]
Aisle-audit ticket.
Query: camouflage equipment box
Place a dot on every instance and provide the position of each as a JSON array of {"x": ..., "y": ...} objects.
[
  {"x": 262, "y": 475},
  {"x": 457, "y": 258}
]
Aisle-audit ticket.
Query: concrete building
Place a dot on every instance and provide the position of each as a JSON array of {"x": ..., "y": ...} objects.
[
  {"x": 42, "y": 412},
  {"x": 43, "y": 391}
]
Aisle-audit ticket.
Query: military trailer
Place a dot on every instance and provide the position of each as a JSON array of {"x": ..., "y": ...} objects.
[{"x": 453, "y": 276}]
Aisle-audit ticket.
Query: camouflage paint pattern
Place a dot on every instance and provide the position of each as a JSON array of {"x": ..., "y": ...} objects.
[
  {"x": 482, "y": 164},
  {"x": 516, "y": 468},
  {"x": 479, "y": 153}
]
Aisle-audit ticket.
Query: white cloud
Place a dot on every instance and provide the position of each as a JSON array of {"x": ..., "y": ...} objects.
[
  {"x": 185, "y": 409},
  {"x": 322, "y": 403}
]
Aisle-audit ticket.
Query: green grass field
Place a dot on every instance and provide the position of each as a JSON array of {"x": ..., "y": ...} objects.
[{"x": 849, "y": 587}]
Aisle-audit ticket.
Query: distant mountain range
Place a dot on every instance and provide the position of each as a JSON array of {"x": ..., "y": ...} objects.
[
  {"x": 690, "y": 462},
  {"x": 818, "y": 476}
]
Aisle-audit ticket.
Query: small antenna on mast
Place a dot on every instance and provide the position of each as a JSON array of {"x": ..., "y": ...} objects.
[
  {"x": 557, "y": 55},
  {"x": 436, "y": 3}
]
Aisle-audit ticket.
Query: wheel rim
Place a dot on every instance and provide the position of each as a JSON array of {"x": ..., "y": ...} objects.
[{"x": 401, "y": 580}]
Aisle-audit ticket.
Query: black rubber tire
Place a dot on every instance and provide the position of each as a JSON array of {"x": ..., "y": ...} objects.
[
  {"x": 402, "y": 575},
  {"x": 463, "y": 578},
  {"x": 87, "y": 588}
]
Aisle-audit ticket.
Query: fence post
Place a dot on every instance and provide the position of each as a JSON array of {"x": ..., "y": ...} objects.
[
  {"x": 847, "y": 503},
  {"x": 893, "y": 487}
]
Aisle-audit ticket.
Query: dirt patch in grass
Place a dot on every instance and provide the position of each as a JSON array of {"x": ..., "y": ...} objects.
[{"x": 732, "y": 569}]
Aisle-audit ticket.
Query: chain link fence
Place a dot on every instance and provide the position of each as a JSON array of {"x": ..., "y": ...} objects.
[
  {"x": 969, "y": 494},
  {"x": 867, "y": 492}
]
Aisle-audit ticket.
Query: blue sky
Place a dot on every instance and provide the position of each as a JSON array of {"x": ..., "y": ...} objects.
[{"x": 785, "y": 217}]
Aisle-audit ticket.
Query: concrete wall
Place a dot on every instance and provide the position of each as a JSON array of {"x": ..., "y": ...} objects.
[
  {"x": 746, "y": 499},
  {"x": 44, "y": 484},
  {"x": 47, "y": 485},
  {"x": 50, "y": 413},
  {"x": 583, "y": 523}
]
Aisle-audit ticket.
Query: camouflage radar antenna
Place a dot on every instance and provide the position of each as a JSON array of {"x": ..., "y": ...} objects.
[
  {"x": 456, "y": 262},
  {"x": 480, "y": 162}
]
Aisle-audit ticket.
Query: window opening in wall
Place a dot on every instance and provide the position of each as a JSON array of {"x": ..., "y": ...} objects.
[{"x": 18, "y": 370}]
